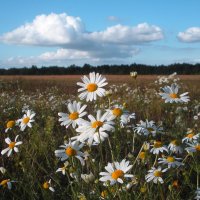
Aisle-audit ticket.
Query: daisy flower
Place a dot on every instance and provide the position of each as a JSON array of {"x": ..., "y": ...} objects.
[
  {"x": 175, "y": 147},
  {"x": 26, "y": 120},
  {"x": 191, "y": 136},
  {"x": 92, "y": 87},
  {"x": 11, "y": 146},
  {"x": 64, "y": 168},
  {"x": 9, "y": 125},
  {"x": 96, "y": 129},
  {"x": 6, "y": 183},
  {"x": 155, "y": 175},
  {"x": 193, "y": 147},
  {"x": 116, "y": 172},
  {"x": 158, "y": 147},
  {"x": 71, "y": 149},
  {"x": 171, "y": 161},
  {"x": 148, "y": 127},
  {"x": 118, "y": 112},
  {"x": 47, "y": 186},
  {"x": 75, "y": 116},
  {"x": 170, "y": 94}
]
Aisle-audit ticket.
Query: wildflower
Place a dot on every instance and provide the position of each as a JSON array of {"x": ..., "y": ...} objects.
[
  {"x": 155, "y": 175},
  {"x": 175, "y": 147},
  {"x": 116, "y": 172},
  {"x": 119, "y": 112},
  {"x": 64, "y": 168},
  {"x": 11, "y": 146},
  {"x": 148, "y": 127},
  {"x": 88, "y": 178},
  {"x": 142, "y": 155},
  {"x": 171, "y": 161},
  {"x": 193, "y": 147},
  {"x": 75, "y": 116},
  {"x": 95, "y": 130},
  {"x": 26, "y": 120},
  {"x": 47, "y": 186},
  {"x": 71, "y": 149},
  {"x": 170, "y": 94},
  {"x": 133, "y": 74},
  {"x": 9, "y": 125},
  {"x": 92, "y": 87},
  {"x": 6, "y": 183},
  {"x": 191, "y": 136},
  {"x": 158, "y": 147}
]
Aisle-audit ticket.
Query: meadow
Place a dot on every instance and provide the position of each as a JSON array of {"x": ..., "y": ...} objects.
[{"x": 129, "y": 143}]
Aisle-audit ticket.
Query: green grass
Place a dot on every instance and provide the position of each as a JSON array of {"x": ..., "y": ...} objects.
[{"x": 36, "y": 162}]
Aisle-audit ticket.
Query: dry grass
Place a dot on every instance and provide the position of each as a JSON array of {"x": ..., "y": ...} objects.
[{"x": 67, "y": 83}]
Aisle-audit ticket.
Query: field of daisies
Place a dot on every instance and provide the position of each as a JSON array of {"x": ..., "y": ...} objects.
[{"x": 123, "y": 141}]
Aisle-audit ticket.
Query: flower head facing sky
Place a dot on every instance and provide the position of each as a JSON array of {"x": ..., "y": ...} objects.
[
  {"x": 170, "y": 94},
  {"x": 92, "y": 87},
  {"x": 71, "y": 149},
  {"x": 11, "y": 146},
  {"x": 96, "y": 130},
  {"x": 26, "y": 120},
  {"x": 76, "y": 112},
  {"x": 116, "y": 172}
]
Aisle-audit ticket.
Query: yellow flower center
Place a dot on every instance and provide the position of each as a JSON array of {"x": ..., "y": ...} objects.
[
  {"x": 70, "y": 151},
  {"x": 173, "y": 96},
  {"x": 104, "y": 193},
  {"x": 142, "y": 155},
  {"x": 46, "y": 185},
  {"x": 157, "y": 144},
  {"x": 117, "y": 174},
  {"x": 170, "y": 159},
  {"x": 197, "y": 147},
  {"x": 91, "y": 87},
  {"x": 157, "y": 173},
  {"x": 12, "y": 145},
  {"x": 97, "y": 124},
  {"x": 4, "y": 182},
  {"x": 10, "y": 124},
  {"x": 26, "y": 120},
  {"x": 190, "y": 135},
  {"x": 150, "y": 129},
  {"x": 117, "y": 112},
  {"x": 74, "y": 115}
]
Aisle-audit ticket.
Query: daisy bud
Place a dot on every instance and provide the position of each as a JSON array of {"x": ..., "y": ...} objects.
[{"x": 88, "y": 178}]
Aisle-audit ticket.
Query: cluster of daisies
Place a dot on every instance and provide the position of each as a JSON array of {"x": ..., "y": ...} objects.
[
  {"x": 12, "y": 145},
  {"x": 93, "y": 129}
]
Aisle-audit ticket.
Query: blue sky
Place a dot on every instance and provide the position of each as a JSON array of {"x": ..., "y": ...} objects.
[{"x": 64, "y": 32}]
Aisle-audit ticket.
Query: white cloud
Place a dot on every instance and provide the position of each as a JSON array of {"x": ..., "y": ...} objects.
[
  {"x": 190, "y": 35},
  {"x": 64, "y": 54},
  {"x": 68, "y": 31},
  {"x": 113, "y": 18},
  {"x": 120, "y": 34},
  {"x": 76, "y": 44}
]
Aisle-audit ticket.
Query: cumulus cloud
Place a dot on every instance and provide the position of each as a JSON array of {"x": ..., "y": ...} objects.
[
  {"x": 77, "y": 44},
  {"x": 68, "y": 31},
  {"x": 190, "y": 35}
]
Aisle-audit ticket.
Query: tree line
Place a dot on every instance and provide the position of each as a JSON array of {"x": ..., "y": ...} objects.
[{"x": 183, "y": 68}]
